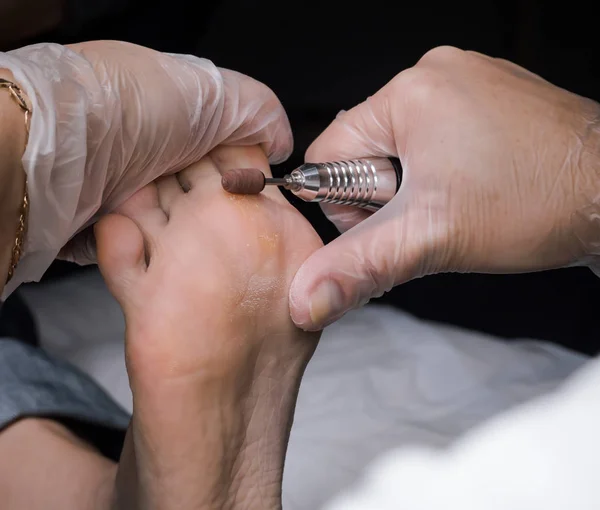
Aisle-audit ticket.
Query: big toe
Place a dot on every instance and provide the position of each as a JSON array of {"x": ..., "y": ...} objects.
[{"x": 121, "y": 256}]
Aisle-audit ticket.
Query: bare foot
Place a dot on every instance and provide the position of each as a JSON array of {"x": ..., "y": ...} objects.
[{"x": 213, "y": 357}]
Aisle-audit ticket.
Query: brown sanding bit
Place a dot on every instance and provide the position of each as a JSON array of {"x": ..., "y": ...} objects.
[{"x": 247, "y": 181}]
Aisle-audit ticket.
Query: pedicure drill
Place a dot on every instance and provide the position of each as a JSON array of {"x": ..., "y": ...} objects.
[{"x": 369, "y": 183}]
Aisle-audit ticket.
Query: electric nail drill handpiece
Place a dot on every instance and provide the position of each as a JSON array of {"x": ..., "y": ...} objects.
[{"x": 369, "y": 183}]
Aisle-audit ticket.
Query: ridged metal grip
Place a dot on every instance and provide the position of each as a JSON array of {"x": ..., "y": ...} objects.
[{"x": 369, "y": 183}]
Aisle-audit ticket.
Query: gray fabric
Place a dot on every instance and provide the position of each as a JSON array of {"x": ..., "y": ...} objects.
[{"x": 34, "y": 384}]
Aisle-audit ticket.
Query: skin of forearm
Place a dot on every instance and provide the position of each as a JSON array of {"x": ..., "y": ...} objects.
[
  {"x": 12, "y": 176},
  {"x": 45, "y": 467}
]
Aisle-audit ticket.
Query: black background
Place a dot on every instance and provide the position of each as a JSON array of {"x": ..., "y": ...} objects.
[{"x": 324, "y": 56}]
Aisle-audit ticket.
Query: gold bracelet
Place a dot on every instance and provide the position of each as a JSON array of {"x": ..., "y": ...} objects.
[{"x": 18, "y": 96}]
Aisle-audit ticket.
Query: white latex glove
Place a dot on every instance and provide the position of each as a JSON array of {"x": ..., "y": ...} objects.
[
  {"x": 501, "y": 174},
  {"x": 108, "y": 118}
]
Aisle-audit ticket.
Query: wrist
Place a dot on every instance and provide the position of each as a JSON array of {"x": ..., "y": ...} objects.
[{"x": 13, "y": 136}]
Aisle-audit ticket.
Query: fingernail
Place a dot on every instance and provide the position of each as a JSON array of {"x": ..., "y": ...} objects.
[{"x": 326, "y": 303}]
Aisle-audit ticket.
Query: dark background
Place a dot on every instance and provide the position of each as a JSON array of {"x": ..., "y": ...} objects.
[{"x": 324, "y": 56}]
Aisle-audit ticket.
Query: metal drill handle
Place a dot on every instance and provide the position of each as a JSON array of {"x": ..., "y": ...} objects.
[{"x": 369, "y": 183}]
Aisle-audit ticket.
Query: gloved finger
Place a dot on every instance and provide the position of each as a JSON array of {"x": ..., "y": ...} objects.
[
  {"x": 384, "y": 250},
  {"x": 224, "y": 107},
  {"x": 206, "y": 107},
  {"x": 229, "y": 158},
  {"x": 365, "y": 130},
  {"x": 265, "y": 122},
  {"x": 344, "y": 217},
  {"x": 81, "y": 249}
]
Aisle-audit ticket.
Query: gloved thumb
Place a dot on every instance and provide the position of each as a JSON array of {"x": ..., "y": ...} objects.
[
  {"x": 388, "y": 248},
  {"x": 371, "y": 256}
]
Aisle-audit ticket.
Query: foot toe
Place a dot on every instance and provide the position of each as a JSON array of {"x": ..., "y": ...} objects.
[{"x": 121, "y": 255}]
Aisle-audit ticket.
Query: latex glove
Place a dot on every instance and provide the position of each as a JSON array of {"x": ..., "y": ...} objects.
[
  {"x": 109, "y": 117},
  {"x": 501, "y": 175}
]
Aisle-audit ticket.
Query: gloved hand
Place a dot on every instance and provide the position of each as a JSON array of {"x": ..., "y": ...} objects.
[
  {"x": 109, "y": 117},
  {"x": 501, "y": 175}
]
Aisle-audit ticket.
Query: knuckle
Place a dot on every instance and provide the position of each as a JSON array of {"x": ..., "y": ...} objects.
[
  {"x": 442, "y": 54},
  {"x": 418, "y": 85},
  {"x": 425, "y": 81}
]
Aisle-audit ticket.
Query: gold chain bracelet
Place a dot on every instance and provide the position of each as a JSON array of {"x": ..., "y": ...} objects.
[{"x": 18, "y": 96}]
